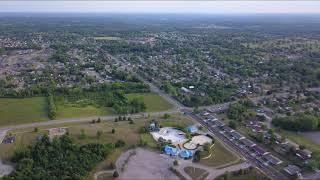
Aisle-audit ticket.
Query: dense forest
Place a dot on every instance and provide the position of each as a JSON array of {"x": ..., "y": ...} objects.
[{"x": 59, "y": 159}]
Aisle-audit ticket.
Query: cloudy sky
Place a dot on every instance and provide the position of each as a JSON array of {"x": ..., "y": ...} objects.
[{"x": 152, "y": 6}]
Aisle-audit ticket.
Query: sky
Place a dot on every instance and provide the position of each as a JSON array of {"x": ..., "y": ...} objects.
[{"x": 152, "y": 6}]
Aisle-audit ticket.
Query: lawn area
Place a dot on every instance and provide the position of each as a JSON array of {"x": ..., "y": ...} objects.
[
  {"x": 67, "y": 111},
  {"x": 220, "y": 156},
  {"x": 22, "y": 110},
  {"x": 153, "y": 101},
  {"x": 248, "y": 174},
  {"x": 196, "y": 173},
  {"x": 123, "y": 130}
]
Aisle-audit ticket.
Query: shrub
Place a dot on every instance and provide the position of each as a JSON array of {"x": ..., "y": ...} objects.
[{"x": 115, "y": 174}]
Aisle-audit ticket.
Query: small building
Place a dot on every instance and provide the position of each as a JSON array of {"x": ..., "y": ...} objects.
[
  {"x": 171, "y": 151},
  {"x": 272, "y": 159},
  {"x": 186, "y": 154},
  {"x": 304, "y": 154},
  {"x": 153, "y": 126},
  {"x": 293, "y": 170},
  {"x": 185, "y": 90},
  {"x": 192, "y": 129}
]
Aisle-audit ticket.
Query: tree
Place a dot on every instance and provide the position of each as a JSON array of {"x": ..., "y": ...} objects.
[
  {"x": 99, "y": 134},
  {"x": 115, "y": 174},
  {"x": 82, "y": 134},
  {"x": 175, "y": 163},
  {"x": 113, "y": 131},
  {"x": 166, "y": 116},
  {"x": 232, "y": 124},
  {"x": 36, "y": 129},
  {"x": 119, "y": 143}
]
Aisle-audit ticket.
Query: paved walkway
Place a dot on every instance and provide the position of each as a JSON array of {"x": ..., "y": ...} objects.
[{"x": 213, "y": 172}]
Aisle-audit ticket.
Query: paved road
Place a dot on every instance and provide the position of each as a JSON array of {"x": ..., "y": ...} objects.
[{"x": 268, "y": 170}]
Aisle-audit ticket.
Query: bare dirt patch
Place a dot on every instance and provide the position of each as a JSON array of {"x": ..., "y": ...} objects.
[{"x": 145, "y": 164}]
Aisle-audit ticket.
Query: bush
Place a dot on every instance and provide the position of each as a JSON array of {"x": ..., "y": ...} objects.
[
  {"x": 120, "y": 143},
  {"x": 115, "y": 174},
  {"x": 113, "y": 131},
  {"x": 175, "y": 163}
]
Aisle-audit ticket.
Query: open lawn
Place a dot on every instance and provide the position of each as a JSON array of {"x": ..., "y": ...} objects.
[
  {"x": 153, "y": 101},
  {"x": 66, "y": 111},
  {"x": 123, "y": 130},
  {"x": 22, "y": 110},
  {"x": 220, "y": 157},
  {"x": 26, "y": 110},
  {"x": 248, "y": 174}
]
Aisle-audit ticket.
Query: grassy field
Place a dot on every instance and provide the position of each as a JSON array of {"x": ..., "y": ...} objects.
[
  {"x": 251, "y": 174},
  {"x": 220, "y": 156},
  {"x": 196, "y": 173},
  {"x": 65, "y": 111},
  {"x": 22, "y": 110},
  {"x": 153, "y": 101},
  {"x": 123, "y": 130},
  {"x": 26, "y": 110}
]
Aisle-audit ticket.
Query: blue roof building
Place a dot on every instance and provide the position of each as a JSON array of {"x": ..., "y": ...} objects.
[
  {"x": 186, "y": 154},
  {"x": 170, "y": 150},
  {"x": 192, "y": 129}
]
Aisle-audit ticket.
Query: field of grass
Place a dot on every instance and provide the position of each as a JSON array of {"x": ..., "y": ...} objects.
[
  {"x": 153, "y": 101},
  {"x": 66, "y": 111},
  {"x": 251, "y": 174},
  {"x": 220, "y": 156},
  {"x": 196, "y": 173},
  {"x": 26, "y": 110},
  {"x": 22, "y": 110},
  {"x": 123, "y": 130}
]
